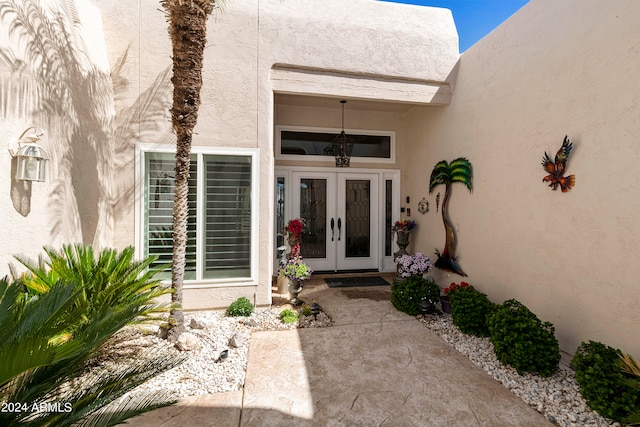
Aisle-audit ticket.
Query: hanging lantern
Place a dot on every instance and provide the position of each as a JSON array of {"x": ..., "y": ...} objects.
[{"x": 342, "y": 145}]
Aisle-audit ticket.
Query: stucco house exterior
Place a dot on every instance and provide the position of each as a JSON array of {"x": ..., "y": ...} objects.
[{"x": 95, "y": 76}]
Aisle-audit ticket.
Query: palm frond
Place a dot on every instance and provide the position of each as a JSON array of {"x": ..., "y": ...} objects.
[
  {"x": 439, "y": 175},
  {"x": 632, "y": 367},
  {"x": 460, "y": 170},
  {"x": 28, "y": 346},
  {"x": 98, "y": 397}
]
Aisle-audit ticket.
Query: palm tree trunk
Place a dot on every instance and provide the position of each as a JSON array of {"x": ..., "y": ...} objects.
[
  {"x": 187, "y": 28},
  {"x": 447, "y": 259},
  {"x": 450, "y": 235}
]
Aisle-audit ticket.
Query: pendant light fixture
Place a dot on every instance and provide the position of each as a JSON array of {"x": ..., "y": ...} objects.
[{"x": 342, "y": 145}]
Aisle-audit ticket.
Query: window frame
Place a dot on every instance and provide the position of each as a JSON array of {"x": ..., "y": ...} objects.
[
  {"x": 354, "y": 159},
  {"x": 200, "y": 151}
]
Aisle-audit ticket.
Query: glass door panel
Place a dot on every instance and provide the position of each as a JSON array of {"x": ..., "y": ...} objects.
[
  {"x": 357, "y": 208},
  {"x": 341, "y": 212},
  {"x": 358, "y": 218},
  {"x": 314, "y": 200},
  {"x": 313, "y": 208}
]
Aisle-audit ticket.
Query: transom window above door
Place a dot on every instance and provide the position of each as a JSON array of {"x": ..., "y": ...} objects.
[{"x": 314, "y": 144}]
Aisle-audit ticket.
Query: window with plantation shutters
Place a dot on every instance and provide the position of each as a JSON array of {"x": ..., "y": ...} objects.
[
  {"x": 220, "y": 214},
  {"x": 228, "y": 216},
  {"x": 159, "y": 213}
]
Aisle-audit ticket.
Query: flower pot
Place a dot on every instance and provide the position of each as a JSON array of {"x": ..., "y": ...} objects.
[
  {"x": 283, "y": 284},
  {"x": 445, "y": 304},
  {"x": 295, "y": 287},
  {"x": 402, "y": 239}
]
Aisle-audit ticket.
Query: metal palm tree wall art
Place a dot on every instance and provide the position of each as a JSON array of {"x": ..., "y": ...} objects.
[
  {"x": 556, "y": 169},
  {"x": 459, "y": 170}
]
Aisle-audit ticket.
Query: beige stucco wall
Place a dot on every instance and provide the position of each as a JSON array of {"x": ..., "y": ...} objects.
[
  {"x": 289, "y": 39},
  {"x": 54, "y": 75},
  {"x": 553, "y": 69},
  {"x": 254, "y": 49}
]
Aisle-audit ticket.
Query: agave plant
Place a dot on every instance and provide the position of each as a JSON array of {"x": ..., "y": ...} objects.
[
  {"x": 459, "y": 170},
  {"x": 47, "y": 343}
]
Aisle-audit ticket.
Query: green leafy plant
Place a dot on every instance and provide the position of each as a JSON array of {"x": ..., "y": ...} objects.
[
  {"x": 469, "y": 309},
  {"x": 240, "y": 307},
  {"x": 50, "y": 347},
  {"x": 288, "y": 316},
  {"x": 108, "y": 279},
  {"x": 296, "y": 270},
  {"x": 602, "y": 381},
  {"x": 305, "y": 310},
  {"x": 522, "y": 341},
  {"x": 407, "y": 293}
]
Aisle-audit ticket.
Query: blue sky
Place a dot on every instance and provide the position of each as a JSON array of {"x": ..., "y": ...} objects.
[{"x": 474, "y": 18}]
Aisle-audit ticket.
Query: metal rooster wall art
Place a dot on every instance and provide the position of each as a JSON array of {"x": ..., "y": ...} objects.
[{"x": 556, "y": 169}]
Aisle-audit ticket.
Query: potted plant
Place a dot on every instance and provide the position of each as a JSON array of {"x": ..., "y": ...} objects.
[
  {"x": 297, "y": 271},
  {"x": 409, "y": 265},
  {"x": 402, "y": 229},
  {"x": 294, "y": 230}
]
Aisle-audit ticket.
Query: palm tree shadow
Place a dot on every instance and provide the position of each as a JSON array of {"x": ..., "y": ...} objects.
[{"x": 54, "y": 81}]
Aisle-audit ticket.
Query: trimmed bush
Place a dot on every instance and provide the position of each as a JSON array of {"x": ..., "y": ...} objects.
[
  {"x": 522, "y": 341},
  {"x": 602, "y": 382},
  {"x": 408, "y": 292},
  {"x": 240, "y": 307},
  {"x": 469, "y": 310}
]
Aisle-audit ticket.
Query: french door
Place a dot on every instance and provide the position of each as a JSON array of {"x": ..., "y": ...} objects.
[{"x": 341, "y": 210}]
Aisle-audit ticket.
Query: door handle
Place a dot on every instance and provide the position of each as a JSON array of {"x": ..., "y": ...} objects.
[
  {"x": 332, "y": 225},
  {"x": 339, "y": 228}
]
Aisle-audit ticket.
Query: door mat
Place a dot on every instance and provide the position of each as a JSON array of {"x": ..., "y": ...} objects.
[{"x": 348, "y": 282}]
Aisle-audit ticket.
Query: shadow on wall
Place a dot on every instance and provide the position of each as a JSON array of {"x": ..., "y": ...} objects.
[
  {"x": 53, "y": 82},
  {"x": 20, "y": 191}
]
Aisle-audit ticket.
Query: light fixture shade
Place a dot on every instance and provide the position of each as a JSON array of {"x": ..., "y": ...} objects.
[
  {"x": 32, "y": 162},
  {"x": 342, "y": 149}
]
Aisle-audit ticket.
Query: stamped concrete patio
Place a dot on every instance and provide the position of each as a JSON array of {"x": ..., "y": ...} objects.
[{"x": 374, "y": 366}]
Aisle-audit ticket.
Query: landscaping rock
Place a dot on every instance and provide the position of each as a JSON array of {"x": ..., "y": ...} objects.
[
  {"x": 187, "y": 342},
  {"x": 237, "y": 340},
  {"x": 197, "y": 324}
]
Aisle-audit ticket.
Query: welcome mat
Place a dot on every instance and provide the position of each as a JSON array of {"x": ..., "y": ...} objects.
[{"x": 348, "y": 282}]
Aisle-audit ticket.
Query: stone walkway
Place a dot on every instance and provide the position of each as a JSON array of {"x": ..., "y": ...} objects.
[{"x": 375, "y": 366}]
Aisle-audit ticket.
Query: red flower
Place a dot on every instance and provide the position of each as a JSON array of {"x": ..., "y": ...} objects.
[{"x": 454, "y": 287}]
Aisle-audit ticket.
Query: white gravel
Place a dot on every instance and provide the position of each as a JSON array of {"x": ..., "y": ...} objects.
[
  {"x": 200, "y": 373},
  {"x": 557, "y": 397}
]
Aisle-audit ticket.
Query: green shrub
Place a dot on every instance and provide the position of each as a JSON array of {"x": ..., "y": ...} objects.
[
  {"x": 522, "y": 341},
  {"x": 108, "y": 279},
  {"x": 469, "y": 310},
  {"x": 408, "y": 292},
  {"x": 602, "y": 381},
  {"x": 288, "y": 316},
  {"x": 51, "y": 341},
  {"x": 306, "y": 310},
  {"x": 240, "y": 307}
]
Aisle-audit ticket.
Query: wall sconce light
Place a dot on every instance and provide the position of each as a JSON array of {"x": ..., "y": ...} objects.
[{"x": 31, "y": 157}]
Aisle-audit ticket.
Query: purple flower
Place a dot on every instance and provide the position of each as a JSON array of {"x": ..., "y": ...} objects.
[{"x": 409, "y": 265}]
